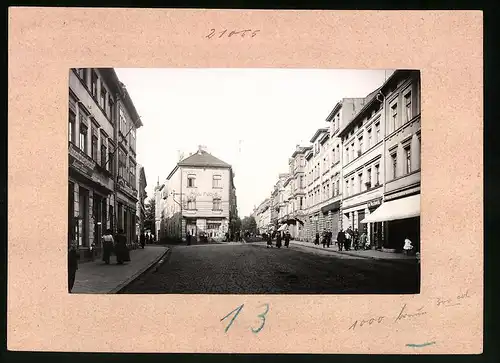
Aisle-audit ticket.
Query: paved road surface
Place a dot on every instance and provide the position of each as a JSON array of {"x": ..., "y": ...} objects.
[{"x": 254, "y": 269}]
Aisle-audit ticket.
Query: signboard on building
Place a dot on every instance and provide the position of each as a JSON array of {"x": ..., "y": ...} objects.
[
  {"x": 81, "y": 162},
  {"x": 374, "y": 203}
]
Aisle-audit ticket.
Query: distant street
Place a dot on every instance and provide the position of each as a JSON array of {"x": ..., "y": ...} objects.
[{"x": 253, "y": 269}]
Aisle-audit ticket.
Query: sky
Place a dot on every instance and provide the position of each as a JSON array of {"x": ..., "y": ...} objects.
[{"x": 249, "y": 118}]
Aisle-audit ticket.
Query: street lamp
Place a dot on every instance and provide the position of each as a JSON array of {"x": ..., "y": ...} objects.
[{"x": 180, "y": 205}]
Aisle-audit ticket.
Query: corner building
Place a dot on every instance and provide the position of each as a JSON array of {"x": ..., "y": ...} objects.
[{"x": 198, "y": 197}]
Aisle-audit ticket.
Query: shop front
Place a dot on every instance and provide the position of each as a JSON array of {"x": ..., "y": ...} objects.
[
  {"x": 401, "y": 218},
  {"x": 331, "y": 216},
  {"x": 89, "y": 189}
]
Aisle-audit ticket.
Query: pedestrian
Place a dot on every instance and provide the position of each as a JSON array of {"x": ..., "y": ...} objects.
[
  {"x": 316, "y": 240},
  {"x": 143, "y": 240},
  {"x": 278, "y": 240},
  {"x": 341, "y": 239},
  {"x": 323, "y": 238},
  {"x": 408, "y": 247},
  {"x": 121, "y": 248},
  {"x": 269, "y": 240},
  {"x": 348, "y": 238},
  {"x": 329, "y": 239},
  {"x": 107, "y": 245},
  {"x": 72, "y": 265},
  {"x": 287, "y": 239},
  {"x": 363, "y": 240},
  {"x": 356, "y": 239}
]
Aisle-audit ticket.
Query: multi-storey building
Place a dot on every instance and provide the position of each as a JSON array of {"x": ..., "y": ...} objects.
[
  {"x": 197, "y": 198},
  {"x": 96, "y": 98},
  {"x": 400, "y": 209},
  {"x": 263, "y": 216},
  {"x": 363, "y": 171},
  {"x": 362, "y": 149},
  {"x": 126, "y": 189},
  {"x": 140, "y": 215}
]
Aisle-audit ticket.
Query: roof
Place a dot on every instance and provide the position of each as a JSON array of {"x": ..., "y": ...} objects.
[
  {"x": 369, "y": 101},
  {"x": 202, "y": 158},
  {"x": 301, "y": 150},
  {"x": 317, "y": 133}
]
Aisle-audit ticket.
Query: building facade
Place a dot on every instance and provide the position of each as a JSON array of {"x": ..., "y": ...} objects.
[
  {"x": 198, "y": 198},
  {"x": 362, "y": 182},
  {"x": 96, "y": 98},
  {"x": 363, "y": 171},
  {"x": 140, "y": 215}
]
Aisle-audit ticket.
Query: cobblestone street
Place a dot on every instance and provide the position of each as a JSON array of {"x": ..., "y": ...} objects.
[{"x": 254, "y": 269}]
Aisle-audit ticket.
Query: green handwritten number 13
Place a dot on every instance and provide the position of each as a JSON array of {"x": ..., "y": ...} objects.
[{"x": 262, "y": 316}]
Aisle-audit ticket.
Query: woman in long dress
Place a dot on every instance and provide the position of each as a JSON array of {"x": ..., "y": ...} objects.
[{"x": 107, "y": 246}]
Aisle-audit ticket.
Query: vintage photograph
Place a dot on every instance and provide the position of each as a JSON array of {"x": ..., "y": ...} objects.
[{"x": 244, "y": 181}]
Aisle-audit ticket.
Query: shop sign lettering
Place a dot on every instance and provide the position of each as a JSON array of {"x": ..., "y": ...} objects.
[{"x": 374, "y": 203}]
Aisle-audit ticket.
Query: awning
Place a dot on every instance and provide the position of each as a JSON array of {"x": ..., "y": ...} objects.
[
  {"x": 408, "y": 207},
  {"x": 282, "y": 227}
]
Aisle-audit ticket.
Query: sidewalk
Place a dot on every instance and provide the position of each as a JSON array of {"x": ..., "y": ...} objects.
[
  {"x": 373, "y": 254},
  {"x": 98, "y": 278}
]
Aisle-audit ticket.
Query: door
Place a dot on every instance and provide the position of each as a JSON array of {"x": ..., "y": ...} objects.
[{"x": 361, "y": 216}]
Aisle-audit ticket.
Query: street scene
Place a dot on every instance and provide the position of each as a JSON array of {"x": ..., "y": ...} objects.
[{"x": 243, "y": 181}]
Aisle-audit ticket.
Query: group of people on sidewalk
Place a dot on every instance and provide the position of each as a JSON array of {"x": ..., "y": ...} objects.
[
  {"x": 352, "y": 239},
  {"x": 279, "y": 237},
  {"x": 116, "y": 244}
]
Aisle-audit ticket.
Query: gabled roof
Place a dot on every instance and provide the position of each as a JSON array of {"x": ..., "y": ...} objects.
[{"x": 202, "y": 158}]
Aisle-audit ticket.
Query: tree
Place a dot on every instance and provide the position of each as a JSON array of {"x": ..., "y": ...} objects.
[
  {"x": 249, "y": 224},
  {"x": 149, "y": 221}
]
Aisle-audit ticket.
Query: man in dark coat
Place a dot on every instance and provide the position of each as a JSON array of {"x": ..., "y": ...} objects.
[
  {"x": 341, "y": 239},
  {"x": 121, "y": 249},
  {"x": 287, "y": 239},
  {"x": 188, "y": 238},
  {"x": 143, "y": 240},
  {"x": 72, "y": 266},
  {"x": 316, "y": 240},
  {"x": 278, "y": 240},
  {"x": 269, "y": 240},
  {"x": 328, "y": 239}
]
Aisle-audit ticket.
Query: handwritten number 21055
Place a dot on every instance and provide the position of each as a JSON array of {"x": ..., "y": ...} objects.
[{"x": 262, "y": 317}]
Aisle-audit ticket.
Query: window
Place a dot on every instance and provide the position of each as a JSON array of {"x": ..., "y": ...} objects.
[
  {"x": 300, "y": 201},
  {"x": 368, "y": 178},
  {"x": 360, "y": 182},
  {"x": 132, "y": 180},
  {"x": 338, "y": 152},
  {"x": 352, "y": 185},
  {"x": 82, "y": 73},
  {"x": 191, "y": 181},
  {"x": 377, "y": 132},
  {"x": 104, "y": 97},
  {"x": 394, "y": 116},
  {"x": 347, "y": 155},
  {"x": 352, "y": 150},
  {"x": 122, "y": 164},
  {"x": 94, "y": 147},
  {"x": 110, "y": 108},
  {"x": 377, "y": 174},
  {"x": 394, "y": 165},
  {"x": 93, "y": 88},
  {"x": 104, "y": 153},
  {"x": 360, "y": 150},
  {"x": 408, "y": 159},
  {"x": 123, "y": 122},
  {"x": 71, "y": 126},
  {"x": 347, "y": 188},
  {"x": 301, "y": 181},
  {"x": 191, "y": 204},
  {"x": 132, "y": 138},
  {"x": 83, "y": 138},
  {"x": 408, "y": 106},
  {"x": 216, "y": 181},
  {"x": 111, "y": 162},
  {"x": 369, "y": 141}
]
